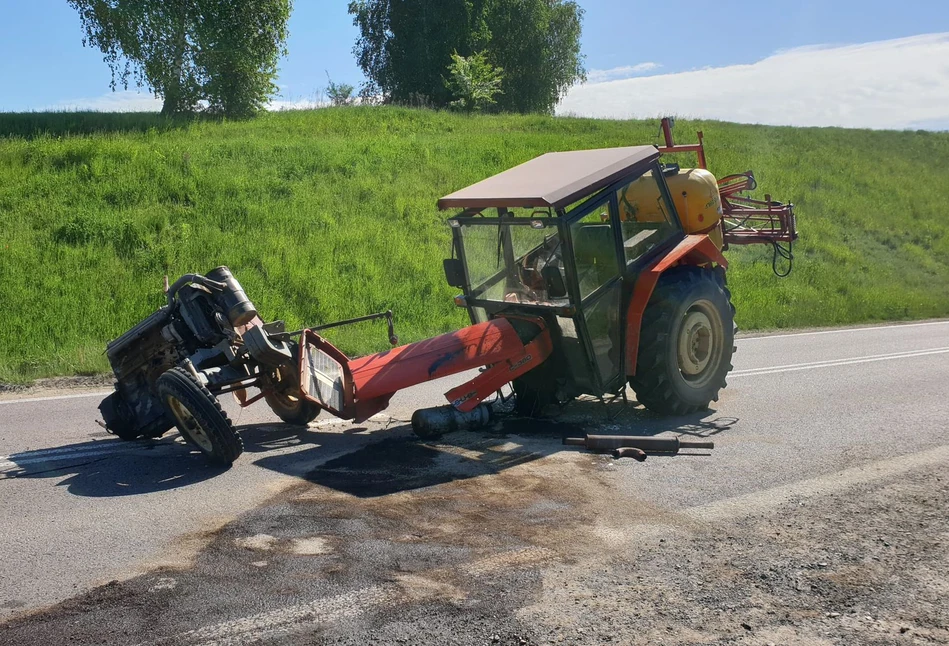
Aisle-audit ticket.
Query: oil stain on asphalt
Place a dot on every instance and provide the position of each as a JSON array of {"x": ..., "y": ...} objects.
[{"x": 437, "y": 540}]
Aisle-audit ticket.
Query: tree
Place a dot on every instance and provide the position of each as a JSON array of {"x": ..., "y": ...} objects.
[
  {"x": 221, "y": 52},
  {"x": 406, "y": 46},
  {"x": 340, "y": 94},
  {"x": 538, "y": 46},
  {"x": 474, "y": 81}
]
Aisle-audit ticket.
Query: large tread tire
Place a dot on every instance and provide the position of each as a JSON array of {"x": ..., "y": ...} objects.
[
  {"x": 292, "y": 410},
  {"x": 685, "y": 296},
  {"x": 199, "y": 416},
  {"x": 723, "y": 281}
]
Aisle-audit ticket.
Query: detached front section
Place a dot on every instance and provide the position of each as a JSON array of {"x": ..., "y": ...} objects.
[{"x": 359, "y": 388}]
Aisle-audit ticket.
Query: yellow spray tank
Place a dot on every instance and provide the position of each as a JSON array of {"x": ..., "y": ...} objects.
[{"x": 694, "y": 193}]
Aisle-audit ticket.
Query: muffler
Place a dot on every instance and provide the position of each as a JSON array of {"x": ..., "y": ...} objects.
[{"x": 432, "y": 422}]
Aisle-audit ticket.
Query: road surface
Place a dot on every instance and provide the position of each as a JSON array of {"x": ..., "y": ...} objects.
[{"x": 320, "y": 533}]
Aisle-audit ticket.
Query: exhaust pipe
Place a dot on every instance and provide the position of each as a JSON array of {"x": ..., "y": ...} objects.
[
  {"x": 432, "y": 422},
  {"x": 646, "y": 444}
]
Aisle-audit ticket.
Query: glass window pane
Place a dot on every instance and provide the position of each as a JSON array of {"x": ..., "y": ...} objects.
[
  {"x": 645, "y": 217},
  {"x": 536, "y": 274},
  {"x": 603, "y": 326},
  {"x": 595, "y": 250}
]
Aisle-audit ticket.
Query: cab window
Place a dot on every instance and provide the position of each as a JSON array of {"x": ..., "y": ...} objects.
[
  {"x": 594, "y": 249},
  {"x": 646, "y": 219}
]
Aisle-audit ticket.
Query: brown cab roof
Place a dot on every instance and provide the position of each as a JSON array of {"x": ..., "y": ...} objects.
[{"x": 552, "y": 180}]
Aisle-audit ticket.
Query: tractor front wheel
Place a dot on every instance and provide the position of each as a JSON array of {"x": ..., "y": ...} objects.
[
  {"x": 686, "y": 343},
  {"x": 199, "y": 416},
  {"x": 292, "y": 409}
]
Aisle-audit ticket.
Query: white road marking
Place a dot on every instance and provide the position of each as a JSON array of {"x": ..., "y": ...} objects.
[
  {"x": 763, "y": 501},
  {"x": 275, "y": 623},
  {"x": 111, "y": 444},
  {"x": 18, "y": 460},
  {"x": 831, "y": 363},
  {"x": 27, "y": 400},
  {"x": 840, "y": 331}
]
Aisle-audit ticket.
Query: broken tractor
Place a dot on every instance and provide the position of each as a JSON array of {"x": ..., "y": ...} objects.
[{"x": 582, "y": 272}]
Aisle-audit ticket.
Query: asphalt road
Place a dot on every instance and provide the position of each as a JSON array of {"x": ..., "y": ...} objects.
[{"x": 803, "y": 411}]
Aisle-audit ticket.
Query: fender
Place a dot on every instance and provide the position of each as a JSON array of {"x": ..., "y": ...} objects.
[{"x": 692, "y": 250}]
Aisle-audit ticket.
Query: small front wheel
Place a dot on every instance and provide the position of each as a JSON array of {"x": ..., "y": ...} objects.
[
  {"x": 292, "y": 409},
  {"x": 199, "y": 416}
]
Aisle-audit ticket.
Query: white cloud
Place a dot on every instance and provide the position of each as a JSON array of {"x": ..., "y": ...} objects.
[
  {"x": 896, "y": 84},
  {"x": 132, "y": 101},
  {"x": 617, "y": 73},
  {"x": 278, "y": 105},
  {"x": 122, "y": 101}
]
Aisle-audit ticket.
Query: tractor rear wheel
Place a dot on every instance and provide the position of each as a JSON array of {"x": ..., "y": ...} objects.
[
  {"x": 686, "y": 342},
  {"x": 199, "y": 416}
]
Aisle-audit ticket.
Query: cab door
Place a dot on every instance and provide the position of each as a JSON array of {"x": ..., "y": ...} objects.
[{"x": 596, "y": 356}]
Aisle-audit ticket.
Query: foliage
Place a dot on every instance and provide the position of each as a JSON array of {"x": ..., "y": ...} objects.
[
  {"x": 340, "y": 94},
  {"x": 331, "y": 213},
  {"x": 538, "y": 46},
  {"x": 404, "y": 48},
  {"x": 220, "y": 52},
  {"x": 474, "y": 81}
]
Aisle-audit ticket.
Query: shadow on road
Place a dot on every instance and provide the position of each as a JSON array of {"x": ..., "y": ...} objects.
[
  {"x": 368, "y": 463},
  {"x": 109, "y": 468},
  {"x": 403, "y": 462}
]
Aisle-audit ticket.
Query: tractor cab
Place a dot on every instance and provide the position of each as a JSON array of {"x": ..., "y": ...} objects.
[{"x": 564, "y": 237}]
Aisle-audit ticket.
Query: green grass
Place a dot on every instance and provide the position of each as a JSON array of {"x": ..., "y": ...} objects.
[{"x": 330, "y": 214}]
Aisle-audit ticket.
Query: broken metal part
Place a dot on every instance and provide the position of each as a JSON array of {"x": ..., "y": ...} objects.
[
  {"x": 648, "y": 444},
  {"x": 266, "y": 349},
  {"x": 387, "y": 315},
  {"x": 630, "y": 452}
]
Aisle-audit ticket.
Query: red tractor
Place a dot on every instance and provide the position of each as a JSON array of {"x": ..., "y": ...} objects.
[{"x": 582, "y": 272}]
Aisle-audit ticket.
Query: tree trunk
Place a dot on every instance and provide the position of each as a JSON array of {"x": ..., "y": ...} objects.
[{"x": 173, "y": 95}]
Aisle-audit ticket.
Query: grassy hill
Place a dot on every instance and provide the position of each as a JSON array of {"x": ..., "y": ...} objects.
[{"x": 331, "y": 213}]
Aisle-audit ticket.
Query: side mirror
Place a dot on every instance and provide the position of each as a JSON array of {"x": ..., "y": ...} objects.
[
  {"x": 454, "y": 272},
  {"x": 554, "y": 281}
]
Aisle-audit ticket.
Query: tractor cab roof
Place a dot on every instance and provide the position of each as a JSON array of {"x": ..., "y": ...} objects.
[{"x": 554, "y": 180}]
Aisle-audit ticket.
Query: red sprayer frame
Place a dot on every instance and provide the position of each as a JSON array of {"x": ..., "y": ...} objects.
[{"x": 744, "y": 220}]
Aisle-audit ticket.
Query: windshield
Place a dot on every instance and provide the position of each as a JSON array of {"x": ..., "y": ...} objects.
[{"x": 514, "y": 263}]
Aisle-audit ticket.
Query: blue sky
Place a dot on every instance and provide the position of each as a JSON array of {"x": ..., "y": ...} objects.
[{"x": 43, "y": 63}]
